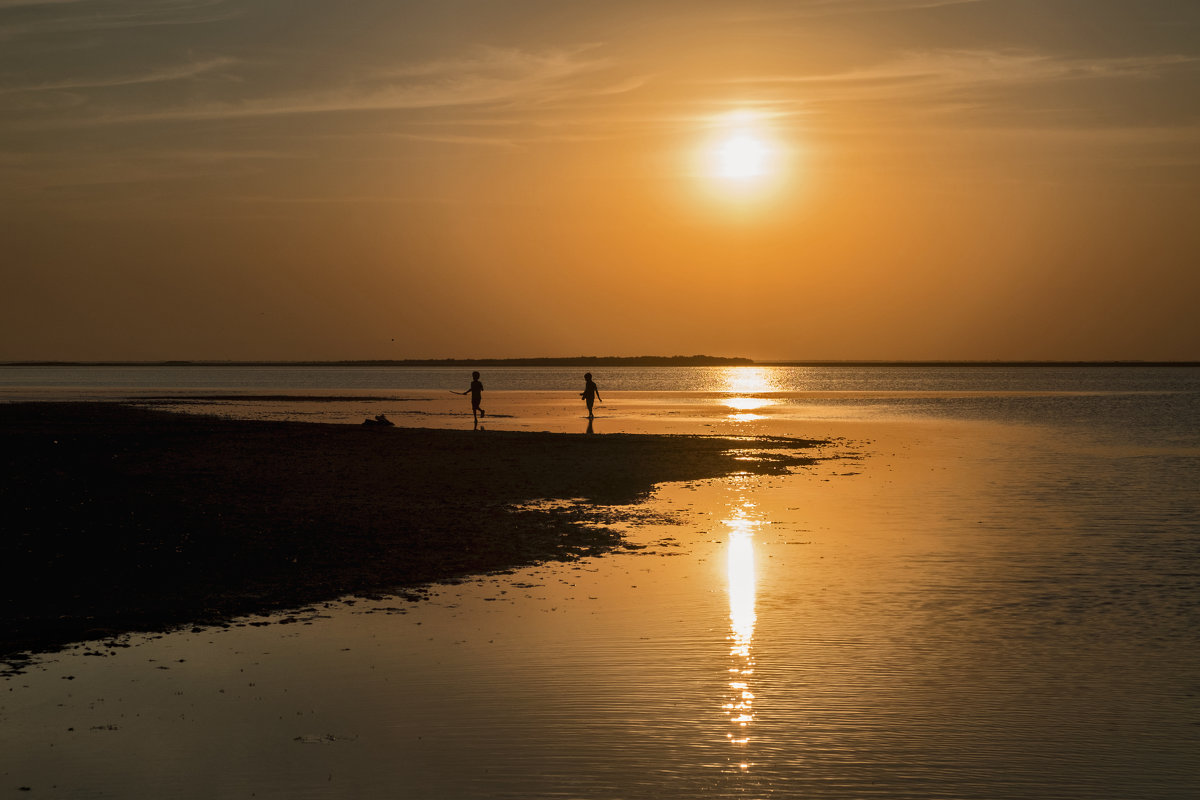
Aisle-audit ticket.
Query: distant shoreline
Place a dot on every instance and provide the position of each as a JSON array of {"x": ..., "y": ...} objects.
[
  {"x": 598, "y": 361},
  {"x": 574, "y": 361},
  {"x": 977, "y": 363}
]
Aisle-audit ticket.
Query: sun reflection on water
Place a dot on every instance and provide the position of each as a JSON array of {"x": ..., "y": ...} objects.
[
  {"x": 746, "y": 403},
  {"x": 739, "y": 704},
  {"x": 747, "y": 380},
  {"x": 745, "y": 386}
]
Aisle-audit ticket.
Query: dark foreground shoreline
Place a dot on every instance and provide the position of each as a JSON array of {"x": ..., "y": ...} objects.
[{"x": 118, "y": 519}]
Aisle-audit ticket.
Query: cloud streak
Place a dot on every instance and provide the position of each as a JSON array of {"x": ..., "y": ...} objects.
[
  {"x": 36, "y": 3},
  {"x": 937, "y": 72},
  {"x": 157, "y": 75},
  {"x": 809, "y": 9},
  {"x": 108, "y": 15},
  {"x": 491, "y": 77}
]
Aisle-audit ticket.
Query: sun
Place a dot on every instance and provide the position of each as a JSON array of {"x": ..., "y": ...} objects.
[
  {"x": 741, "y": 151},
  {"x": 741, "y": 157}
]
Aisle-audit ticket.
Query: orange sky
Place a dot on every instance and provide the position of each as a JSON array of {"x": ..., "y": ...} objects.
[{"x": 293, "y": 179}]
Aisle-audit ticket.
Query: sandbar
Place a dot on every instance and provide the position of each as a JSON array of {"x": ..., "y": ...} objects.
[{"x": 119, "y": 519}]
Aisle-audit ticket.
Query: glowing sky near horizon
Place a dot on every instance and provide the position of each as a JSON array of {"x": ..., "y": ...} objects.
[{"x": 864, "y": 179}]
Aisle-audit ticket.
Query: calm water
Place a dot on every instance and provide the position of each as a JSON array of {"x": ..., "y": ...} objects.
[
  {"x": 990, "y": 590},
  {"x": 648, "y": 379},
  {"x": 1150, "y": 406}
]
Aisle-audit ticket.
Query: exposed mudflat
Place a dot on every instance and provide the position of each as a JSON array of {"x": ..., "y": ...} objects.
[{"x": 119, "y": 519}]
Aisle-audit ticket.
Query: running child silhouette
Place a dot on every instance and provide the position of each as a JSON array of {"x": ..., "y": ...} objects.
[
  {"x": 590, "y": 394},
  {"x": 476, "y": 392}
]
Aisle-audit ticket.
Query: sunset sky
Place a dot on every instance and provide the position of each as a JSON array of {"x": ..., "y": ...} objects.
[{"x": 810, "y": 179}]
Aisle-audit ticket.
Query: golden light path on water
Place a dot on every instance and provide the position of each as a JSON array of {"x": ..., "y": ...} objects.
[
  {"x": 742, "y": 580},
  {"x": 745, "y": 385}
]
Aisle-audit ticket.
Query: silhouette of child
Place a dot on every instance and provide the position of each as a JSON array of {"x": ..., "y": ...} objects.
[
  {"x": 590, "y": 393},
  {"x": 476, "y": 392}
]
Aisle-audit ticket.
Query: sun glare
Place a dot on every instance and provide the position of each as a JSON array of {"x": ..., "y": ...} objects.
[{"x": 742, "y": 158}]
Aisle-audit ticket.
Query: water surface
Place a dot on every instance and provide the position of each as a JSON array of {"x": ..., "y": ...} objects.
[{"x": 993, "y": 591}]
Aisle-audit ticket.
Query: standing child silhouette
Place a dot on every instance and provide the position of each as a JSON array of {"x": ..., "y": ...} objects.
[
  {"x": 476, "y": 392},
  {"x": 590, "y": 394}
]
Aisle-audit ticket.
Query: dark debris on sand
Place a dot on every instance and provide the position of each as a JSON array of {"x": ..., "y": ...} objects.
[{"x": 118, "y": 519}]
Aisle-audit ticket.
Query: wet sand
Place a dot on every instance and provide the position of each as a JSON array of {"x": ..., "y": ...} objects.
[{"x": 122, "y": 519}]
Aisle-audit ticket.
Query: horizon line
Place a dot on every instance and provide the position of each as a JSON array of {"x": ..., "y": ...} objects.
[{"x": 644, "y": 360}]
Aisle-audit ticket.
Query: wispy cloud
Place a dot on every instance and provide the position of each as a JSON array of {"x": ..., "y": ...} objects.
[
  {"x": 154, "y": 75},
  {"x": 489, "y": 77},
  {"x": 35, "y": 3},
  {"x": 858, "y": 6},
  {"x": 830, "y": 8},
  {"x": 950, "y": 70},
  {"x": 1009, "y": 87},
  {"x": 943, "y": 100},
  {"x": 106, "y": 15}
]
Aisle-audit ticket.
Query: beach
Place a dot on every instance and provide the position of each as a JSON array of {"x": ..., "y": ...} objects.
[
  {"x": 972, "y": 583},
  {"x": 125, "y": 519}
]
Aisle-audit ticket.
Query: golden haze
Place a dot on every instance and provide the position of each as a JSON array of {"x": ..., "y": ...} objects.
[{"x": 946, "y": 181}]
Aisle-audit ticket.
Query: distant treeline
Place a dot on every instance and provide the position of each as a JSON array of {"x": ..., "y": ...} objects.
[
  {"x": 582, "y": 361},
  {"x": 596, "y": 361},
  {"x": 575, "y": 361}
]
